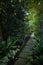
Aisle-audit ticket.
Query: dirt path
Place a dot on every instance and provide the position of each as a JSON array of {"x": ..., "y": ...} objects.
[{"x": 26, "y": 51}]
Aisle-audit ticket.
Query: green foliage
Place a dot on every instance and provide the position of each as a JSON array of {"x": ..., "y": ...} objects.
[
  {"x": 38, "y": 52},
  {"x": 6, "y": 47},
  {"x": 13, "y": 22},
  {"x": 12, "y": 19},
  {"x": 13, "y": 27},
  {"x": 36, "y": 23},
  {"x": 7, "y": 50}
]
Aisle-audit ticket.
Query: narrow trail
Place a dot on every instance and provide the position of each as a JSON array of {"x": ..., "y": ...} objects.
[{"x": 25, "y": 53}]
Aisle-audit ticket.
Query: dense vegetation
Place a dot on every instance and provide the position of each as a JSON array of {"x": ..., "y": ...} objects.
[
  {"x": 19, "y": 18},
  {"x": 36, "y": 21},
  {"x": 12, "y": 29}
]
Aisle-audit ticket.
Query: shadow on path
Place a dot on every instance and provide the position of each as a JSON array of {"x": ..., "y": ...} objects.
[{"x": 26, "y": 52}]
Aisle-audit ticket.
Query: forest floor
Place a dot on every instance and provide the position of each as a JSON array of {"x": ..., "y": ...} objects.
[{"x": 26, "y": 52}]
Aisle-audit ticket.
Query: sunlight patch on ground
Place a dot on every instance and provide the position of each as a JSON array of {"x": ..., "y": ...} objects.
[{"x": 32, "y": 35}]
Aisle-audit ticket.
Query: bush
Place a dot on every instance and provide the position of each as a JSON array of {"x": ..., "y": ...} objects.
[
  {"x": 38, "y": 52},
  {"x": 7, "y": 50}
]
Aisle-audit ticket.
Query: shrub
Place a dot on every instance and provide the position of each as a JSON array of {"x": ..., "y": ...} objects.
[{"x": 7, "y": 50}]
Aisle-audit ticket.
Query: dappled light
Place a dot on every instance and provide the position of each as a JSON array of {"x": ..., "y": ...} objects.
[{"x": 21, "y": 32}]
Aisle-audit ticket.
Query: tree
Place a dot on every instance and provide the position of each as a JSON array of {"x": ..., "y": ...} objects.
[
  {"x": 13, "y": 25},
  {"x": 12, "y": 19},
  {"x": 38, "y": 41}
]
